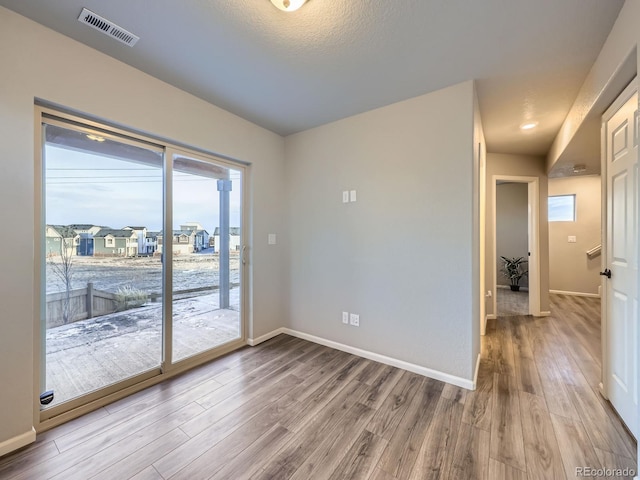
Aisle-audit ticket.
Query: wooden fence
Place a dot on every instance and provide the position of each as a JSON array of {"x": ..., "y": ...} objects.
[
  {"x": 83, "y": 303},
  {"x": 88, "y": 303}
]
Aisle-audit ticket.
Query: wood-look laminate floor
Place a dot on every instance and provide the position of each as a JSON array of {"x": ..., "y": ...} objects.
[{"x": 292, "y": 409}]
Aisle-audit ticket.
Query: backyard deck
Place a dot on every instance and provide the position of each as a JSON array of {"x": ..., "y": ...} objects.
[{"x": 90, "y": 354}]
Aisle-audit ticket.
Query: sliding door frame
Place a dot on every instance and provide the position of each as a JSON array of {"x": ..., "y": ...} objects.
[
  {"x": 45, "y": 419},
  {"x": 168, "y": 364}
]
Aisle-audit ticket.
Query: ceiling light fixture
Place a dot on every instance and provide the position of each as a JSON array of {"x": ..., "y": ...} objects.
[
  {"x": 580, "y": 168},
  {"x": 95, "y": 138},
  {"x": 528, "y": 125},
  {"x": 288, "y": 5}
]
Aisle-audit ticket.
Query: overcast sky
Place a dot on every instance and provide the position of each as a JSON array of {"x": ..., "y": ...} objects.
[{"x": 92, "y": 189}]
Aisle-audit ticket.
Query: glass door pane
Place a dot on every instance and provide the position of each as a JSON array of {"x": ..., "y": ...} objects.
[
  {"x": 102, "y": 292},
  {"x": 207, "y": 243}
]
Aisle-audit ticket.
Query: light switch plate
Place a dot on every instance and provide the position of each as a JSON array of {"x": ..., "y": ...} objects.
[
  {"x": 272, "y": 239},
  {"x": 352, "y": 194},
  {"x": 345, "y": 196},
  {"x": 345, "y": 318}
]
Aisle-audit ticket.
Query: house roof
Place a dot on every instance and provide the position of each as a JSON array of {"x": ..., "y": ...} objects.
[
  {"x": 191, "y": 226},
  {"x": 133, "y": 228},
  {"x": 114, "y": 233},
  {"x": 64, "y": 231},
  {"x": 82, "y": 226},
  {"x": 232, "y": 231}
]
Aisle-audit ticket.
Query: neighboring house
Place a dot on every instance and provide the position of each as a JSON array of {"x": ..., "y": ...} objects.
[
  {"x": 115, "y": 243},
  {"x": 159, "y": 242},
  {"x": 142, "y": 236},
  {"x": 58, "y": 237},
  {"x": 151, "y": 242},
  {"x": 201, "y": 240},
  {"x": 234, "y": 239},
  {"x": 86, "y": 231},
  {"x": 85, "y": 245},
  {"x": 183, "y": 242}
]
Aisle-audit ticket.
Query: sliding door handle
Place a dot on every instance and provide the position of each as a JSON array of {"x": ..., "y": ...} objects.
[{"x": 243, "y": 255}]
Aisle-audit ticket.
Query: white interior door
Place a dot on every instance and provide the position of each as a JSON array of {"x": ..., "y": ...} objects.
[{"x": 621, "y": 305}]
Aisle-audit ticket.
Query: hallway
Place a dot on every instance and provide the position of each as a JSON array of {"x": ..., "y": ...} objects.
[{"x": 544, "y": 374}]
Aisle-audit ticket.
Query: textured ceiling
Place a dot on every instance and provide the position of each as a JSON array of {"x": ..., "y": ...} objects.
[{"x": 334, "y": 58}]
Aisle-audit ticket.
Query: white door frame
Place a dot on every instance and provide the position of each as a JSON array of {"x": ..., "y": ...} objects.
[{"x": 533, "y": 202}]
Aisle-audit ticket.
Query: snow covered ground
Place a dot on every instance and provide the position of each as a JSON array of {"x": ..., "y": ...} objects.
[{"x": 143, "y": 273}]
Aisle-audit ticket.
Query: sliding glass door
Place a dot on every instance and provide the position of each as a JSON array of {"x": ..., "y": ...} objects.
[
  {"x": 140, "y": 260},
  {"x": 102, "y": 282},
  {"x": 207, "y": 241}
]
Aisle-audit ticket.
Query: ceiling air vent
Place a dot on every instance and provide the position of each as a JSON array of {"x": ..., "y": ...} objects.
[{"x": 108, "y": 28}]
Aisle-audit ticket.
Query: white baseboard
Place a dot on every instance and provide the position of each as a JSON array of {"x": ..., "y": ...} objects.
[
  {"x": 602, "y": 391},
  {"x": 475, "y": 375},
  {"x": 263, "y": 338},
  {"x": 544, "y": 314},
  {"x": 575, "y": 294},
  {"x": 15, "y": 443},
  {"x": 483, "y": 327},
  {"x": 394, "y": 362}
]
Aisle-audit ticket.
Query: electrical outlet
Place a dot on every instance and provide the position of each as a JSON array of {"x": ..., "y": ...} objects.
[
  {"x": 571, "y": 239},
  {"x": 352, "y": 195},
  {"x": 489, "y": 294},
  {"x": 345, "y": 196},
  {"x": 354, "y": 319},
  {"x": 345, "y": 318}
]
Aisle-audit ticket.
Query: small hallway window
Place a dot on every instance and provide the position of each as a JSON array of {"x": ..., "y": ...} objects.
[{"x": 562, "y": 208}]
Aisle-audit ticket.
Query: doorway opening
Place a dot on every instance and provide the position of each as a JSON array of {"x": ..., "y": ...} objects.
[
  {"x": 516, "y": 215},
  {"x": 512, "y": 248}
]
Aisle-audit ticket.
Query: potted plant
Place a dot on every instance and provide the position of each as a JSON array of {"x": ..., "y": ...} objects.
[{"x": 513, "y": 269}]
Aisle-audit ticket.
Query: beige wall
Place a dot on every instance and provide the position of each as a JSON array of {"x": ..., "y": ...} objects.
[
  {"x": 516, "y": 165},
  {"x": 570, "y": 270},
  {"x": 37, "y": 63},
  {"x": 512, "y": 226},
  {"x": 412, "y": 165}
]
